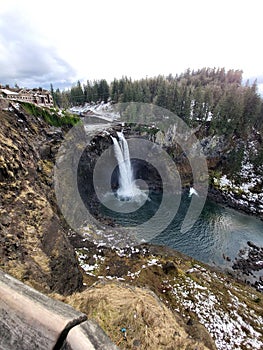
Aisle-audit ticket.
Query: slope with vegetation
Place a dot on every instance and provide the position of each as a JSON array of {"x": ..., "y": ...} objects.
[
  {"x": 158, "y": 294},
  {"x": 34, "y": 244}
]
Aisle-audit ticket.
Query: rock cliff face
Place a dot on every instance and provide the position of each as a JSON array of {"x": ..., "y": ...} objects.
[
  {"x": 34, "y": 245},
  {"x": 204, "y": 309},
  {"x": 234, "y": 166}
]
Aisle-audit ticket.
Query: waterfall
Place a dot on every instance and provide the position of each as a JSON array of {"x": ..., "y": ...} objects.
[{"x": 127, "y": 188}]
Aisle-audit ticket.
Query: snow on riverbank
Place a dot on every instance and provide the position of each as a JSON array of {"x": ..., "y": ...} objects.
[
  {"x": 101, "y": 110},
  {"x": 247, "y": 192}
]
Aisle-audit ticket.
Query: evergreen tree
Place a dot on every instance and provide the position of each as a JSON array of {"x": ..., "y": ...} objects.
[
  {"x": 114, "y": 91},
  {"x": 194, "y": 95},
  {"x": 65, "y": 104},
  {"x": 252, "y": 105},
  {"x": 77, "y": 96},
  {"x": 57, "y": 98},
  {"x": 161, "y": 98},
  {"x": 88, "y": 92},
  {"x": 103, "y": 91}
]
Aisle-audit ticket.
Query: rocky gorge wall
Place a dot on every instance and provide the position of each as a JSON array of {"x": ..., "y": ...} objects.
[
  {"x": 235, "y": 173},
  {"x": 34, "y": 244},
  {"x": 233, "y": 182}
]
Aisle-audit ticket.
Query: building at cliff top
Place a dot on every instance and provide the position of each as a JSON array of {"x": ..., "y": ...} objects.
[{"x": 39, "y": 96}]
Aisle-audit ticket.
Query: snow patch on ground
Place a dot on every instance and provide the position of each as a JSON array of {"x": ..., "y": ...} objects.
[
  {"x": 229, "y": 328},
  {"x": 227, "y": 317},
  {"x": 243, "y": 193},
  {"x": 100, "y": 110},
  {"x": 88, "y": 268},
  {"x": 153, "y": 262}
]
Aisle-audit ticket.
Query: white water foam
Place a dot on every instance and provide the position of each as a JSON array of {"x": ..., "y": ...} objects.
[{"x": 127, "y": 191}]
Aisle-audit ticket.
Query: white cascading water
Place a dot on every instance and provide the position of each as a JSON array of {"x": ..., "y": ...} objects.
[
  {"x": 193, "y": 191},
  {"x": 127, "y": 189}
]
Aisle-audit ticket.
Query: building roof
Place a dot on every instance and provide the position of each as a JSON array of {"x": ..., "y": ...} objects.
[{"x": 8, "y": 92}]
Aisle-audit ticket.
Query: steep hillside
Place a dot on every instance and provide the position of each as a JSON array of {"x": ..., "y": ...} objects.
[
  {"x": 213, "y": 308},
  {"x": 34, "y": 245},
  {"x": 147, "y": 323}
]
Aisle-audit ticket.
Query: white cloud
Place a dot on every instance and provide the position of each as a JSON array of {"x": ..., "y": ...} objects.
[
  {"x": 105, "y": 39},
  {"x": 26, "y": 57}
]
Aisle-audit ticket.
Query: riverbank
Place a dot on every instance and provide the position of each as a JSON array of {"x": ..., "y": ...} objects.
[{"x": 240, "y": 202}]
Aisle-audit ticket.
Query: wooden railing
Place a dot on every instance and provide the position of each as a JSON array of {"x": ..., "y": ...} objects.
[{"x": 30, "y": 320}]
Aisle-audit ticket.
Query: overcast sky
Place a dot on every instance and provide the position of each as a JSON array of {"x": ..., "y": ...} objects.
[{"x": 60, "y": 42}]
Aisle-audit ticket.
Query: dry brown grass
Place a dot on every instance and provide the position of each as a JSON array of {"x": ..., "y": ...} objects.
[{"x": 150, "y": 324}]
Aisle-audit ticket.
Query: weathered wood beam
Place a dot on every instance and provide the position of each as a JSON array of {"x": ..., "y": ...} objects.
[{"x": 30, "y": 320}]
